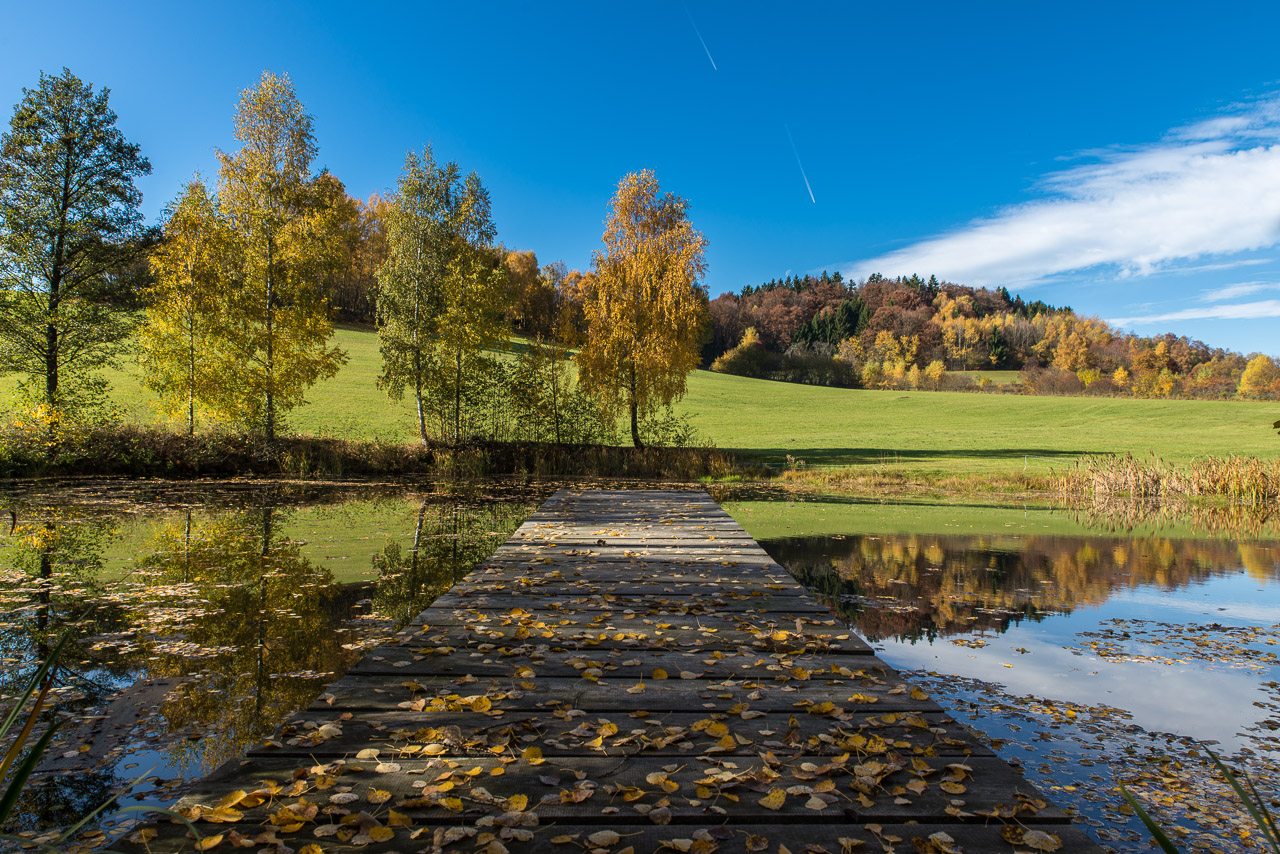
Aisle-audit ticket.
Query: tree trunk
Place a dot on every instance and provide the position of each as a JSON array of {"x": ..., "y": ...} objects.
[
  {"x": 457, "y": 397},
  {"x": 191, "y": 386},
  {"x": 635, "y": 420},
  {"x": 555, "y": 396},
  {"x": 422, "y": 416},
  {"x": 271, "y": 403},
  {"x": 417, "y": 344}
]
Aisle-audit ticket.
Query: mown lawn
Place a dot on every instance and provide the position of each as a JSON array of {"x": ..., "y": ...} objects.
[{"x": 927, "y": 431}]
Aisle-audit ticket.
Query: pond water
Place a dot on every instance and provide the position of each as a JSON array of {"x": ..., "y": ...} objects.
[
  {"x": 200, "y": 617},
  {"x": 1090, "y": 659},
  {"x": 1088, "y": 649}
]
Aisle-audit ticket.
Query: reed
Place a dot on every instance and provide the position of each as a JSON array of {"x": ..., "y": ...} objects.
[{"x": 1248, "y": 480}]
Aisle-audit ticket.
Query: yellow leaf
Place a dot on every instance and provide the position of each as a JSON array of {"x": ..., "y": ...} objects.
[
  {"x": 659, "y": 673},
  {"x": 518, "y": 803},
  {"x": 232, "y": 799},
  {"x": 533, "y": 755},
  {"x": 774, "y": 800},
  {"x": 381, "y": 834},
  {"x": 396, "y": 819},
  {"x": 209, "y": 842},
  {"x": 379, "y": 796}
]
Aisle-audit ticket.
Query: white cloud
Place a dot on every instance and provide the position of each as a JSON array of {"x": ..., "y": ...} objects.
[
  {"x": 1208, "y": 189},
  {"x": 1239, "y": 289},
  {"x": 1236, "y": 311}
]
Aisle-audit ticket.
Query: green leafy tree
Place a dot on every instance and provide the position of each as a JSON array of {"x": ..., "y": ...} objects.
[
  {"x": 70, "y": 230},
  {"x": 440, "y": 290},
  {"x": 274, "y": 329},
  {"x": 645, "y": 315},
  {"x": 182, "y": 305}
]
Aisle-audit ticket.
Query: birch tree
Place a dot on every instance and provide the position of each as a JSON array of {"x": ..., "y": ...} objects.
[
  {"x": 440, "y": 294},
  {"x": 645, "y": 315},
  {"x": 275, "y": 327},
  {"x": 177, "y": 340}
]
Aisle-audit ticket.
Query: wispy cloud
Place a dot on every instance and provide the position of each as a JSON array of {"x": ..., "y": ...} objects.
[
  {"x": 796, "y": 151},
  {"x": 698, "y": 33},
  {"x": 1208, "y": 189},
  {"x": 1235, "y": 311},
  {"x": 1237, "y": 290}
]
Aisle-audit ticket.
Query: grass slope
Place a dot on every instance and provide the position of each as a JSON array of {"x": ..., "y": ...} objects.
[
  {"x": 958, "y": 431},
  {"x": 928, "y": 431}
]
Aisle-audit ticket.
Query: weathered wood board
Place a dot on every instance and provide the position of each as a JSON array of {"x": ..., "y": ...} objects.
[{"x": 629, "y": 672}]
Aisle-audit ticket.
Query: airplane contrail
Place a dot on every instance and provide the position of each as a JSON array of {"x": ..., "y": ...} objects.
[
  {"x": 798, "y": 163},
  {"x": 700, "y": 38}
]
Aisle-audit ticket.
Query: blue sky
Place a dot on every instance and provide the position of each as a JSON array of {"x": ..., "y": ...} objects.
[{"x": 1120, "y": 158}]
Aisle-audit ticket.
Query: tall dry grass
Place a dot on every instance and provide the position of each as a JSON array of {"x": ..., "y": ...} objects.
[{"x": 1248, "y": 480}]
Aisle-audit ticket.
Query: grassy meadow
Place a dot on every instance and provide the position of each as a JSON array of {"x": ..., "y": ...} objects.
[{"x": 950, "y": 432}]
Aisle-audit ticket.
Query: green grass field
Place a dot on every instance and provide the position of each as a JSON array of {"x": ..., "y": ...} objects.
[
  {"x": 925, "y": 431},
  {"x": 803, "y": 516}
]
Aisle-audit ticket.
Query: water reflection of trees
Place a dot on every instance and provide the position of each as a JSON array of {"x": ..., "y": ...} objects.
[
  {"x": 50, "y": 583},
  {"x": 266, "y": 626},
  {"x": 911, "y": 586},
  {"x": 222, "y": 626},
  {"x": 448, "y": 540}
]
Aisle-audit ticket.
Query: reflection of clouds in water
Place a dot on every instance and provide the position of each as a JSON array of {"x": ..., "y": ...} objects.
[
  {"x": 1233, "y": 599},
  {"x": 1198, "y": 699}
]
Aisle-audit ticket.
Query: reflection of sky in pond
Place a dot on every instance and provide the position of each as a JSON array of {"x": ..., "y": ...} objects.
[
  {"x": 1087, "y": 661},
  {"x": 977, "y": 608},
  {"x": 1205, "y": 700}
]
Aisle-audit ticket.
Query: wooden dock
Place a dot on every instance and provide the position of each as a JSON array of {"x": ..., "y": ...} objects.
[{"x": 629, "y": 672}]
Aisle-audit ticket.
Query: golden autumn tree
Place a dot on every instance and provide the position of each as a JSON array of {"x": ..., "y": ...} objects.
[
  {"x": 176, "y": 338},
  {"x": 645, "y": 315},
  {"x": 440, "y": 291},
  {"x": 275, "y": 326}
]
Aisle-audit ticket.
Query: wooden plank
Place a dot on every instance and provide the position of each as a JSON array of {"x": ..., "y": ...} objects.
[
  {"x": 514, "y": 660},
  {"x": 666, "y": 602},
  {"x": 711, "y": 837},
  {"x": 404, "y": 735},
  {"x": 375, "y": 691},
  {"x": 576, "y": 788}
]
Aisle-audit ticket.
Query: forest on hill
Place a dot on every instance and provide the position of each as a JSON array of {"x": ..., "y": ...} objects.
[{"x": 906, "y": 332}]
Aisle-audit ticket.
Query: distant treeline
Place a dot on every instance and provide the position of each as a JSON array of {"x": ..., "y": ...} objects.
[{"x": 907, "y": 332}]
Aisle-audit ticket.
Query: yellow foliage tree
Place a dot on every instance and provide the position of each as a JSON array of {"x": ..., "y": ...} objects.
[
  {"x": 647, "y": 312},
  {"x": 176, "y": 338},
  {"x": 275, "y": 324},
  {"x": 1259, "y": 377}
]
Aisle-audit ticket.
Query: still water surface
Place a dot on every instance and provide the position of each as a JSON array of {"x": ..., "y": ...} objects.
[
  {"x": 201, "y": 616},
  {"x": 1089, "y": 660}
]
